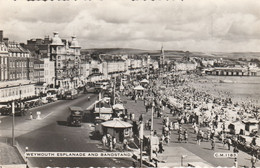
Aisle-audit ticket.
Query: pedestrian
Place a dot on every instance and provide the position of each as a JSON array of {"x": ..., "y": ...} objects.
[
  {"x": 186, "y": 136},
  {"x": 31, "y": 116},
  {"x": 235, "y": 150},
  {"x": 141, "y": 118},
  {"x": 213, "y": 144},
  {"x": 167, "y": 138},
  {"x": 229, "y": 143},
  {"x": 110, "y": 144},
  {"x": 223, "y": 139},
  {"x": 125, "y": 143},
  {"x": 136, "y": 97},
  {"x": 180, "y": 137},
  {"x": 104, "y": 140},
  {"x": 198, "y": 138},
  {"x": 253, "y": 161},
  {"x": 161, "y": 150},
  {"x": 114, "y": 142}
]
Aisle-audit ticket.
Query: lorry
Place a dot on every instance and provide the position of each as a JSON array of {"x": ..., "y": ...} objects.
[{"x": 75, "y": 117}]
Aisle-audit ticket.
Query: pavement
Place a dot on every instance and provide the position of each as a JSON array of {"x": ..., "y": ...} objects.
[
  {"x": 200, "y": 155},
  {"x": 9, "y": 156}
]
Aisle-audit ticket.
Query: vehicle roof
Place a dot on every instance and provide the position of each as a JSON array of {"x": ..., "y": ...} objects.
[{"x": 75, "y": 108}]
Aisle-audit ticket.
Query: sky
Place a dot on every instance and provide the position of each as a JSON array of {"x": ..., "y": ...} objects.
[{"x": 188, "y": 25}]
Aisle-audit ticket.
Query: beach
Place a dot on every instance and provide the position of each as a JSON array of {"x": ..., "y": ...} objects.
[{"x": 240, "y": 89}]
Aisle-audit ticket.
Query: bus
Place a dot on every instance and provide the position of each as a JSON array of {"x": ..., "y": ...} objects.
[{"x": 75, "y": 117}]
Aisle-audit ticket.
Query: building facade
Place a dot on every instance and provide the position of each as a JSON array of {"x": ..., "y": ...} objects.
[
  {"x": 44, "y": 71},
  {"x": 66, "y": 57},
  {"x": 16, "y": 71}
]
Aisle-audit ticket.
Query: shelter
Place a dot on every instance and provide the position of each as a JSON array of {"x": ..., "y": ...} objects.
[
  {"x": 102, "y": 110},
  {"x": 139, "y": 90},
  {"x": 117, "y": 128}
]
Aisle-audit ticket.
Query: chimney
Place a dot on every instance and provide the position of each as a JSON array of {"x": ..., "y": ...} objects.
[
  {"x": 6, "y": 40},
  {"x": 1, "y": 36}
]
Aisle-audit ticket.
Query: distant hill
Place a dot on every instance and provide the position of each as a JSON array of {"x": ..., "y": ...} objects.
[
  {"x": 116, "y": 51},
  {"x": 171, "y": 54}
]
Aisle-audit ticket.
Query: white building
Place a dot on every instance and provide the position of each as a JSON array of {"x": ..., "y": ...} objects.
[
  {"x": 85, "y": 70},
  {"x": 185, "y": 66},
  {"x": 15, "y": 90}
]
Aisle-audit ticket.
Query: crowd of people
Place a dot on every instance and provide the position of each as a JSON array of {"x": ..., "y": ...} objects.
[
  {"x": 192, "y": 106},
  {"x": 209, "y": 114}
]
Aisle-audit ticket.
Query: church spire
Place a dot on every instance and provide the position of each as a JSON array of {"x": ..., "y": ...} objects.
[{"x": 162, "y": 57}]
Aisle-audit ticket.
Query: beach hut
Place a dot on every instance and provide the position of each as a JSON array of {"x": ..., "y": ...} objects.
[
  {"x": 117, "y": 128},
  {"x": 251, "y": 125},
  {"x": 237, "y": 127},
  {"x": 144, "y": 83}
]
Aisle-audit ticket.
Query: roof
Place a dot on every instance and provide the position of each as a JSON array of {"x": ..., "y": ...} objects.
[
  {"x": 103, "y": 110},
  {"x": 14, "y": 83},
  {"x": 56, "y": 39},
  {"x": 118, "y": 106},
  {"x": 74, "y": 43},
  {"x": 116, "y": 124},
  {"x": 254, "y": 121},
  {"x": 16, "y": 48},
  {"x": 75, "y": 108}
]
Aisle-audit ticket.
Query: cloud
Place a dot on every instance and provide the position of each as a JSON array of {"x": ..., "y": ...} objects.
[{"x": 189, "y": 25}]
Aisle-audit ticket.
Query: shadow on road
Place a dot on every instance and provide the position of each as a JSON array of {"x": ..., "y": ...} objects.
[
  {"x": 88, "y": 118},
  {"x": 207, "y": 148},
  {"x": 62, "y": 123},
  {"x": 95, "y": 135}
]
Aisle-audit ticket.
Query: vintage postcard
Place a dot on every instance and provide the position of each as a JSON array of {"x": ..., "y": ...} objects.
[{"x": 129, "y": 83}]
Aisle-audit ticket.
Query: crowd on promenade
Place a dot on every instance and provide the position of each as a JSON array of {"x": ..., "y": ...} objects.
[{"x": 210, "y": 115}]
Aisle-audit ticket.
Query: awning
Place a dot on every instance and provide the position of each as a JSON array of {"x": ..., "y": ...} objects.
[
  {"x": 139, "y": 88},
  {"x": 144, "y": 81}
]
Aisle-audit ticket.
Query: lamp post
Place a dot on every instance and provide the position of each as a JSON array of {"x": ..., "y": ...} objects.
[
  {"x": 151, "y": 135},
  {"x": 114, "y": 94},
  {"x": 20, "y": 92},
  {"x": 13, "y": 112},
  {"x": 152, "y": 115}
]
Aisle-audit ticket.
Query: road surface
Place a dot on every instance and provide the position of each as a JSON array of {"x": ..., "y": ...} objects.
[{"x": 51, "y": 133}]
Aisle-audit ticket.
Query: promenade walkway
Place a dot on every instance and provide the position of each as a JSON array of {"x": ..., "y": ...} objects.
[
  {"x": 9, "y": 156},
  {"x": 201, "y": 154}
]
